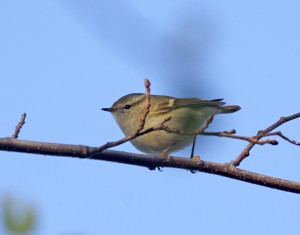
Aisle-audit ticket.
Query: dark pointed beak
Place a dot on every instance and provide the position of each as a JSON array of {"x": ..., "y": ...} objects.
[{"x": 108, "y": 109}]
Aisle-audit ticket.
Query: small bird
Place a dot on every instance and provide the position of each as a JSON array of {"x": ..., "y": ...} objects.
[{"x": 187, "y": 115}]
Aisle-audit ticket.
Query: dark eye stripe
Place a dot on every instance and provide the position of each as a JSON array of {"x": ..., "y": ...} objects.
[{"x": 127, "y": 106}]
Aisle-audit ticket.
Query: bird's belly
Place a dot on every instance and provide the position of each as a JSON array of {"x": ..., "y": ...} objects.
[{"x": 162, "y": 142}]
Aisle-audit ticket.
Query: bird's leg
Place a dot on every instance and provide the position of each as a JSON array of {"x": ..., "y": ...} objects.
[
  {"x": 197, "y": 158},
  {"x": 193, "y": 147},
  {"x": 166, "y": 152}
]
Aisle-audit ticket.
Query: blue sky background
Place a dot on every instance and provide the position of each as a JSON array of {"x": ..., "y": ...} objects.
[{"x": 61, "y": 61}]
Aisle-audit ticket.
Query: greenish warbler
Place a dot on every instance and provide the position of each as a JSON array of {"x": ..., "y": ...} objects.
[{"x": 187, "y": 115}]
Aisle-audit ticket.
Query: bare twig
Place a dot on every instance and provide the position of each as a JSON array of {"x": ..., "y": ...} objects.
[
  {"x": 248, "y": 139},
  {"x": 279, "y": 133},
  {"x": 138, "y": 131},
  {"x": 205, "y": 126},
  {"x": 168, "y": 129},
  {"x": 147, "y": 106},
  {"x": 134, "y": 135},
  {"x": 19, "y": 126}
]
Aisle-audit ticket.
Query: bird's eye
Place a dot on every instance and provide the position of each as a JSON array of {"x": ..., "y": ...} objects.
[{"x": 127, "y": 106}]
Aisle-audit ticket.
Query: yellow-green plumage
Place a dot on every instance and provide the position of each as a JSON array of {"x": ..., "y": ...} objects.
[{"x": 187, "y": 115}]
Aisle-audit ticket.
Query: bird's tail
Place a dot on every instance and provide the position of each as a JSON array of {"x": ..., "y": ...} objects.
[{"x": 230, "y": 109}]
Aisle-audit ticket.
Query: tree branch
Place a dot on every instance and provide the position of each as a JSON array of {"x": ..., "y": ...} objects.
[
  {"x": 156, "y": 161},
  {"x": 149, "y": 161}
]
